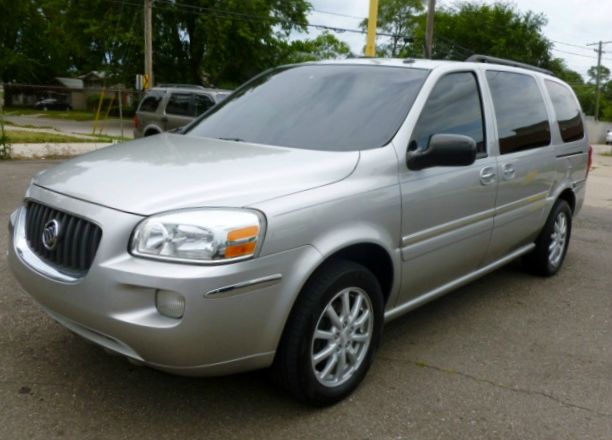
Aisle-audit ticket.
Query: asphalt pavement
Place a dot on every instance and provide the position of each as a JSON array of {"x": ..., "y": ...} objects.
[{"x": 510, "y": 356}]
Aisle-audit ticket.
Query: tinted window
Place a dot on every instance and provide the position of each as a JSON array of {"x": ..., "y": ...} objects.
[
  {"x": 150, "y": 103},
  {"x": 567, "y": 111},
  {"x": 202, "y": 103},
  {"x": 322, "y": 107},
  {"x": 221, "y": 96},
  {"x": 179, "y": 104},
  {"x": 522, "y": 121},
  {"x": 454, "y": 107}
]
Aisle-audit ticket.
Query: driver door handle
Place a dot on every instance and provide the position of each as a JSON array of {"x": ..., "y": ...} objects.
[
  {"x": 487, "y": 175},
  {"x": 509, "y": 171}
]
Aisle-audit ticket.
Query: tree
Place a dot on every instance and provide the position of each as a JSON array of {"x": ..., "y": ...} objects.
[
  {"x": 604, "y": 74},
  {"x": 195, "y": 41},
  {"x": 498, "y": 30},
  {"x": 325, "y": 46},
  {"x": 397, "y": 18},
  {"x": 222, "y": 42}
]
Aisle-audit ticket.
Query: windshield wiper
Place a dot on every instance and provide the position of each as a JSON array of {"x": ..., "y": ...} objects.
[{"x": 231, "y": 139}]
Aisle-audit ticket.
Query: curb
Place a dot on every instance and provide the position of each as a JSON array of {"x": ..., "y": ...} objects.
[{"x": 50, "y": 149}]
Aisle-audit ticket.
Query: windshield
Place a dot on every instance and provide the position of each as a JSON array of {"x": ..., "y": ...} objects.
[{"x": 319, "y": 107}]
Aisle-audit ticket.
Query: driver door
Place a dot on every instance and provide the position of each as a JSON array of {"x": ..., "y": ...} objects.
[{"x": 447, "y": 212}]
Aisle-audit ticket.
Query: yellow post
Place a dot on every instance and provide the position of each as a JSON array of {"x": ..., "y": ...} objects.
[
  {"x": 106, "y": 114},
  {"x": 95, "y": 123},
  {"x": 373, "y": 17}
]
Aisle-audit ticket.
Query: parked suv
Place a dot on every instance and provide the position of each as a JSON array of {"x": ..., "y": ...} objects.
[
  {"x": 297, "y": 216},
  {"x": 170, "y": 107}
]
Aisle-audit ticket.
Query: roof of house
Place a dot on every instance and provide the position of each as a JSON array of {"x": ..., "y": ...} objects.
[
  {"x": 71, "y": 83},
  {"x": 95, "y": 73}
]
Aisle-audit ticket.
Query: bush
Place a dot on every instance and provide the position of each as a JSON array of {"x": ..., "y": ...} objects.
[
  {"x": 5, "y": 146},
  {"x": 94, "y": 100}
]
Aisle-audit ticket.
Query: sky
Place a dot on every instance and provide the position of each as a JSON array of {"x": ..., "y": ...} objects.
[{"x": 572, "y": 24}]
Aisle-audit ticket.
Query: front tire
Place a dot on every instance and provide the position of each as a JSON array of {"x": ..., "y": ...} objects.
[
  {"x": 551, "y": 246},
  {"x": 332, "y": 334}
]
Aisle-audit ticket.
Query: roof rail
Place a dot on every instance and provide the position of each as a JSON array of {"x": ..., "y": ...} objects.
[
  {"x": 504, "y": 62},
  {"x": 181, "y": 86}
]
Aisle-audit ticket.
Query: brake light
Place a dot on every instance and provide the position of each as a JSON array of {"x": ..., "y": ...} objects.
[
  {"x": 590, "y": 161},
  {"x": 136, "y": 121}
]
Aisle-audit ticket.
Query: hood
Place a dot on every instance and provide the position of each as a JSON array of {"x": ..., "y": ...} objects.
[{"x": 170, "y": 171}]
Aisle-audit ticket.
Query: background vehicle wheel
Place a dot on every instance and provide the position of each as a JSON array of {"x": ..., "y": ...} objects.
[
  {"x": 551, "y": 245},
  {"x": 332, "y": 334}
]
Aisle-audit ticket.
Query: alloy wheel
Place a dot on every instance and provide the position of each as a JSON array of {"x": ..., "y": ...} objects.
[{"x": 342, "y": 337}]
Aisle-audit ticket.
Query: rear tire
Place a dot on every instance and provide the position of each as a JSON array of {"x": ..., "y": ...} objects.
[
  {"x": 551, "y": 245},
  {"x": 331, "y": 335}
]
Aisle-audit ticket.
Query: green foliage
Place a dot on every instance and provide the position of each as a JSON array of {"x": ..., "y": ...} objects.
[
  {"x": 398, "y": 18},
  {"x": 195, "y": 41},
  {"x": 93, "y": 101},
  {"x": 325, "y": 46},
  {"x": 604, "y": 74},
  {"x": 497, "y": 29},
  {"x": 39, "y": 137},
  {"x": 5, "y": 146}
]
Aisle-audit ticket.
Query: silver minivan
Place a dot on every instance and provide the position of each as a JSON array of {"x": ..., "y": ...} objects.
[{"x": 283, "y": 227}]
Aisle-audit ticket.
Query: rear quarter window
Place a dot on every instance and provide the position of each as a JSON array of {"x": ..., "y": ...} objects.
[
  {"x": 180, "y": 104},
  {"x": 150, "y": 103},
  {"x": 567, "y": 111},
  {"x": 522, "y": 120}
]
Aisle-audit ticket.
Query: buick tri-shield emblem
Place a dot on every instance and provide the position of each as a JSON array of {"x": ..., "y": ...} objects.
[{"x": 51, "y": 234}]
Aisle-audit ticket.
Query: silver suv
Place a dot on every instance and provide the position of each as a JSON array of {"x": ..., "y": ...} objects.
[
  {"x": 173, "y": 106},
  {"x": 318, "y": 201}
]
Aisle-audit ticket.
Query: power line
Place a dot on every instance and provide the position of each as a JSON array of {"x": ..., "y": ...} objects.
[
  {"x": 583, "y": 47},
  {"x": 338, "y": 14},
  {"x": 592, "y": 57},
  {"x": 240, "y": 16}
]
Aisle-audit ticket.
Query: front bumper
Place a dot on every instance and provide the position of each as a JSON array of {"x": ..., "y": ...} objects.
[{"x": 113, "y": 305}]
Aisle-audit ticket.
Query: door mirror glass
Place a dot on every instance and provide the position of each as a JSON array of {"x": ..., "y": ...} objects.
[{"x": 444, "y": 150}]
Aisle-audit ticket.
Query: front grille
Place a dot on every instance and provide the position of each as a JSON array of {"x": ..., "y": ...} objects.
[{"x": 77, "y": 241}]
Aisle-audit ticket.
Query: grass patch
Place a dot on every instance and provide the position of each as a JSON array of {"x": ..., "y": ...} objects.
[
  {"x": 32, "y": 137},
  {"x": 71, "y": 115},
  {"x": 19, "y": 111},
  {"x": 12, "y": 124}
]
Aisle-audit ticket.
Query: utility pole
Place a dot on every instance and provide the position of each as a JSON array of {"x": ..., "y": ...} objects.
[
  {"x": 372, "y": 21},
  {"x": 431, "y": 9},
  {"x": 599, "y": 51},
  {"x": 148, "y": 31}
]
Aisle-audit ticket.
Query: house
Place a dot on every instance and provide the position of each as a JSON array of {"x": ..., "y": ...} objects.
[{"x": 77, "y": 92}]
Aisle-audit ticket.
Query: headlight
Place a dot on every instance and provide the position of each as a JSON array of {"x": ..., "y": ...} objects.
[{"x": 207, "y": 235}]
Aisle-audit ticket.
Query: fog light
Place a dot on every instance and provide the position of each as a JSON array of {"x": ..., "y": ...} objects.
[{"x": 170, "y": 304}]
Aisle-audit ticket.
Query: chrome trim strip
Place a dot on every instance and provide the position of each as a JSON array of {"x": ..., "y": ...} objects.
[
  {"x": 447, "y": 227},
  {"x": 245, "y": 286},
  {"x": 520, "y": 203},
  {"x": 439, "y": 291},
  {"x": 30, "y": 259},
  {"x": 469, "y": 220},
  {"x": 575, "y": 153}
]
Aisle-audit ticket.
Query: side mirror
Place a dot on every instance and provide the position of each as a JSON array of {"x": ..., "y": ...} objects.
[{"x": 444, "y": 150}]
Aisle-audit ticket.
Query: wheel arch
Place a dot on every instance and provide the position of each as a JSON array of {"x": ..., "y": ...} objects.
[
  {"x": 374, "y": 256},
  {"x": 151, "y": 130},
  {"x": 568, "y": 195}
]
